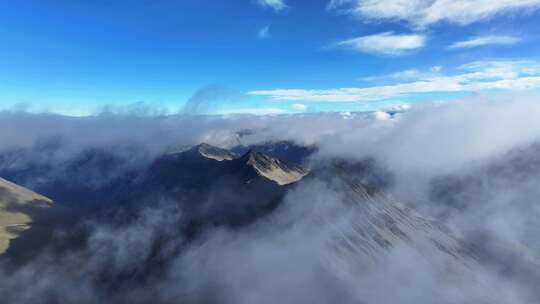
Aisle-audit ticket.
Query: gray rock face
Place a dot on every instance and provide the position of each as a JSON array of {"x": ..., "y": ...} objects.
[
  {"x": 215, "y": 153},
  {"x": 281, "y": 172}
]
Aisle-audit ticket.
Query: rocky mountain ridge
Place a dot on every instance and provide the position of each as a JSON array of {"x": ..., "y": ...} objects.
[{"x": 18, "y": 207}]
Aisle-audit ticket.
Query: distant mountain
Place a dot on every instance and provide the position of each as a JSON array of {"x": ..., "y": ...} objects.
[{"x": 19, "y": 208}]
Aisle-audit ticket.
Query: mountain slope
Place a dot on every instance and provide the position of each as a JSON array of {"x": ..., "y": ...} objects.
[
  {"x": 375, "y": 224},
  {"x": 18, "y": 207},
  {"x": 382, "y": 223},
  {"x": 281, "y": 172}
]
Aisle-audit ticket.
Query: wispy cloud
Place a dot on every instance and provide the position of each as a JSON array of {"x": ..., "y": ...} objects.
[
  {"x": 387, "y": 43},
  {"x": 485, "y": 40},
  {"x": 426, "y": 12},
  {"x": 255, "y": 111},
  {"x": 276, "y": 5},
  {"x": 475, "y": 76},
  {"x": 406, "y": 75},
  {"x": 264, "y": 33},
  {"x": 414, "y": 74}
]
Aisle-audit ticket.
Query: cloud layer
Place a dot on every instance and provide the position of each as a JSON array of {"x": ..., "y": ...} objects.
[{"x": 290, "y": 256}]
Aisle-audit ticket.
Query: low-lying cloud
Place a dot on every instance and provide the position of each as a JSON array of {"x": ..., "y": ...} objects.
[{"x": 471, "y": 165}]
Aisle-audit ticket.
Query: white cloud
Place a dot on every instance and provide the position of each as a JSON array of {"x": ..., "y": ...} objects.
[
  {"x": 397, "y": 107},
  {"x": 381, "y": 115},
  {"x": 264, "y": 33},
  {"x": 276, "y": 5},
  {"x": 387, "y": 43},
  {"x": 299, "y": 107},
  {"x": 485, "y": 40},
  {"x": 255, "y": 111},
  {"x": 426, "y": 12},
  {"x": 475, "y": 76}
]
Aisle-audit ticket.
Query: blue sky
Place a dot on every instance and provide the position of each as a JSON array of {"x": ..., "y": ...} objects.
[{"x": 277, "y": 56}]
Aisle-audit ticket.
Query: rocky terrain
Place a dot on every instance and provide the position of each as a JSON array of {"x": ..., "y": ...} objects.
[{"x": 19, "y": 208}]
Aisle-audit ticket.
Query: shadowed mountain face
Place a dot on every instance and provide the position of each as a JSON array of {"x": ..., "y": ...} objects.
[
  {"x": 216, "y": 188},
  {"x": 19, "y": 208},
  {"x": 284, "y": 150}
]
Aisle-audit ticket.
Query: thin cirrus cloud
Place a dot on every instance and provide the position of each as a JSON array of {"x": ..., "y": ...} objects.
[
  {"x": 276, "y": 5},
  {"x": 422, "y": 13},
  {"x": 473, "y": 77},
  {"x": 387, "y": 43},
  {"x": 485, "y": 40}
]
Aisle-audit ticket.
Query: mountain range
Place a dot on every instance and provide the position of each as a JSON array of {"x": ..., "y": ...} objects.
[
  {"x": 215, "y": 186},
  {"x": 185, "y": 195}
]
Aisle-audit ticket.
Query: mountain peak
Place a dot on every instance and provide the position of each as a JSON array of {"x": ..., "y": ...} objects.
[
  {"x": 281, "y": 172},
  {"x": 214, "y": 152}
]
